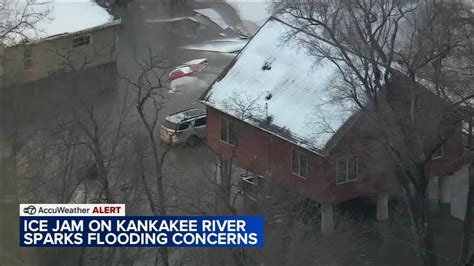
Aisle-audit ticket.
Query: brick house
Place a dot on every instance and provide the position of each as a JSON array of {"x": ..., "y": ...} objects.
[{"x": 274, "y": 114}]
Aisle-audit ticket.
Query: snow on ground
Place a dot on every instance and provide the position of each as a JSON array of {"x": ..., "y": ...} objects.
[
  {"x": 64, "y": 16},
  {"x": 301, "y": 105},
  {"x": 186, "y": 84}
]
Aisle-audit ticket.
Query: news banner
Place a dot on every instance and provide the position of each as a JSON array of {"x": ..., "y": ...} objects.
[{"x": 105, "y": 225}]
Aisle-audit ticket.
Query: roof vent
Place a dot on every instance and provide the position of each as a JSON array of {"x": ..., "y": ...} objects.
[
  {"x": 267, "y": 66},
  {"x": 269, "y": 96},
  {"x": 269, "y": 119}
]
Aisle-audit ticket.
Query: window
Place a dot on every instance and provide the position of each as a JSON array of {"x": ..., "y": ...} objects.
[
  {"x": 27, "y": 57},
  {"x": 228, "y": 131},
  {"x": 346, "y": 169},
  {"x": 299, "y": 164},
  {"x": 467, "y": 133},
  {"x": 183, "y": 126},
  {"x": 438, "y": 153},
  {"x": 200, "y": 122},
  {"x": 438, "y": 143},
  {"x": 81, "y": 41}
]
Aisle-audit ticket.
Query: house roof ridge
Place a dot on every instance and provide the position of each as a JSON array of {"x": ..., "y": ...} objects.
[
  {"x": 278, "y": 129},
  {"x": 114, "y": 22}
]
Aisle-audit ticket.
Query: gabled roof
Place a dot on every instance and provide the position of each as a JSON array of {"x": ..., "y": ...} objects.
[{"x": 275, "y": 84}]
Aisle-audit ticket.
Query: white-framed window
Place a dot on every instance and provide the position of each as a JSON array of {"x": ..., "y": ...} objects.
[
  {"x": 27, "y": 57},
  {"x": 346, "y": 169},
  {"x": 468, "y": 133},
  {"x": 299, "y": 163},
  {"x": 228, "y": 131},
  {"x": 439, "y": 153},
  {"x": 82, "y": 40}
]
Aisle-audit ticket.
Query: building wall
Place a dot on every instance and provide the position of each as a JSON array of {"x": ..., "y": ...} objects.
[
  {"x": 37, "y": 104},
  {"x": 56, "y": 55},
  {"x": 264, "y": 154},
  {"x": 459, "y": 190},
  {"x": 2, "y": 51},
  {"x": 434, "y": 119}
]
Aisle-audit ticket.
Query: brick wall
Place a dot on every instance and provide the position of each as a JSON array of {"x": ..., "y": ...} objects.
[{"x": 265, "y": 154}]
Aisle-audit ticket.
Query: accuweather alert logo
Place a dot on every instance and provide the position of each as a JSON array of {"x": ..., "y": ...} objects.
[
  {"x": 72, "y": 210},
  {"x": 29, "y": 210}
]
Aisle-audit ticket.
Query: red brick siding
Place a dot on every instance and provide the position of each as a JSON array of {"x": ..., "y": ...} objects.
[
  {"x": 259, "y": 152},
  {"x": 249, "y": 153},
  {"x": 452, "y": 156}
]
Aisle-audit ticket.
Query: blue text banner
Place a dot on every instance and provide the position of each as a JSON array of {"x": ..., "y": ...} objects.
[{"x": 142, "y": 231}]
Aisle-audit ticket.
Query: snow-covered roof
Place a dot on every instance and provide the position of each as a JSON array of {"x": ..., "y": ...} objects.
[
  {"x": 170, "y": 20},
  {"x": 275, "y": 84},
  {"x": 255, "y": 11},
  {"x": 65, "y": 16},
  {"x": 226, "y": 45},
  {"x": 214, "y": 16}
]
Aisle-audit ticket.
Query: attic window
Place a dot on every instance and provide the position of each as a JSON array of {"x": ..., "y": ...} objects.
[{"x": 81, "y": 40}]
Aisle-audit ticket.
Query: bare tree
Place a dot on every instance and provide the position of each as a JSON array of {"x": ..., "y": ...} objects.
[
  {"x": 375, "y": 44},
  {"x": 19, "y": 20},
  {"x": 149, "y": 88},
  {"x": 16, "y": 21}
]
